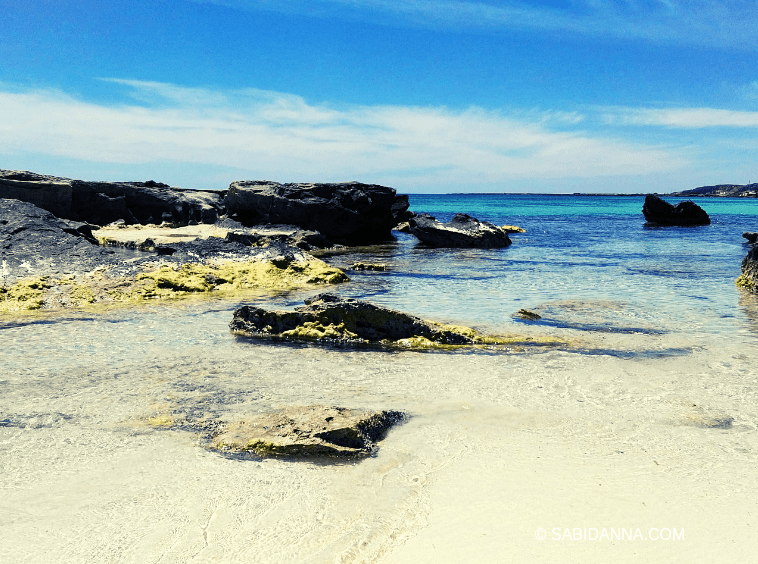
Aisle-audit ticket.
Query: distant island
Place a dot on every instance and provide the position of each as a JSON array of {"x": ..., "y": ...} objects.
[{"x": 721, "y": 190}]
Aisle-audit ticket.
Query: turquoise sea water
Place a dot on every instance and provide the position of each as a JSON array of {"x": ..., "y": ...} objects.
[{"x": 576, "y": 248}]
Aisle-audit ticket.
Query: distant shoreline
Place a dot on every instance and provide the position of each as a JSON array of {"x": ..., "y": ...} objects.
[{"x": 753, "y": 193}]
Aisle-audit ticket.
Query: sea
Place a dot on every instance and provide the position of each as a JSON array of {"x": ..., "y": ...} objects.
[{"x": 633, "y": 439}]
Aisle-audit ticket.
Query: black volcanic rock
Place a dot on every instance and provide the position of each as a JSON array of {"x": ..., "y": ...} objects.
[
  {"x": 462, "y": 231},
  {"x": 351, "y": 213},
  {"x": 684, "y": 214},
  {"x": 101, "y": 203}
]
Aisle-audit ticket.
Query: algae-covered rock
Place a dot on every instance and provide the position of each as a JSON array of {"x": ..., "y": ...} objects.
[
  {"x": 327, "y": 317},
  {"x": 749, "y": 277},
  {"x": 330, "y": 319},
  {"x": 307, "y": 431}
]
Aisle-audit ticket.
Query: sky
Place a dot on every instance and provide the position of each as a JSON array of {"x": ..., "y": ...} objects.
[{"x": 558, "y": 96}]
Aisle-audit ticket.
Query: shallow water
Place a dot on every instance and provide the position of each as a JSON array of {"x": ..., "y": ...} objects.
[{"x": 648, "y": 420}]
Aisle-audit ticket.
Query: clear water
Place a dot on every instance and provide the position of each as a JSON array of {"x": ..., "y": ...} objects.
[{"x": 600, "y": 434}]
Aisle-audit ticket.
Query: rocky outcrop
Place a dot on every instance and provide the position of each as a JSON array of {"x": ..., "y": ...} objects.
[
  {"x": 351, "y": 213},
  {"x": 400, "y": 211},
  {"x": 101, "y": 203},
  {"x": 308, "y": 431},
  {"x": 684, "y": 214},
  {"x": 749, "y": 277},
  {"x": 50, "y": 263},
  {"x": 751, "y": 237},
  {"x": 34, "y": 242},
  {"x": 462, "y": 231},
  {"x": 332, "y": 319}
]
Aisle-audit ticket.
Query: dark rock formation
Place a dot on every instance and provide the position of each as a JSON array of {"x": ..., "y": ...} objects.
[
  {"x": 462, "y": 231},
  {"x": 101, "y": 203},
  {"x": 749, "y": 277},
  {"x": 751, "y": 237},
  {"x": 684, "y": 214},
  {"x": 33, "y": 242},
  {"x": 265, "y": 234},
  {"x": 400, "y": 212},
  {"x": 329, "y": 318},
  {"x": 350, "y": 213},
  {"x": 308, "y": 431}
]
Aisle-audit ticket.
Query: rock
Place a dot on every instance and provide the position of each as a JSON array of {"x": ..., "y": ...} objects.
[
  {"x": 695, "y": 415},
  {"x": 749, "y": 277},
  {"x": 530, "y": 315},
  {"x": 291, "y": 234},
  {"x": 309, "y": 431},
  {"x": 34, "y": 243},
  {"x": 751, "y": 237},
  {"x": 331, "y": 319},
  {"x": 403, "y": 227},
  {"x": 362, "y": 266},
  {"x": 462, "y": 231},
  {"x": 684, "y": 214},
  {"x": 400, "y": 213},
  {"x": 350, "y": 213},
  {"x": 101, "y": 203},
  {"x": 512, "y": 229},
  {"x": 47, "y": 262}
]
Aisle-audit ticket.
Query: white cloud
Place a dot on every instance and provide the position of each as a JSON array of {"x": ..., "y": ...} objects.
[
  {"x": 282, "y": 137},
  {"x": 689, "y": 118},
  {"x": 726, "y": 23}
]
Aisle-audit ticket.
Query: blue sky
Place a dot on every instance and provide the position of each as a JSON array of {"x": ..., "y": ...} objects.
[{"x": 445, "y": 96}]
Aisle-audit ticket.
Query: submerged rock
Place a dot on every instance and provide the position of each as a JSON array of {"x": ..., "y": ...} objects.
[
  {"x": 462, "y": 231},
  {"x": 330, "y": 318},
  {"x": 308, "y": 431},
  {"x": 684, "y": 214},
  {"x": 101, "y": 203},
  {"x": 350, "y": 213}
]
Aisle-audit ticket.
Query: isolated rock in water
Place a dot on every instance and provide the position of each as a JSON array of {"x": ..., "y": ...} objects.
[
  {"x": 462, "y": 231},
  {"x": 313, "y": 430},
  {"x": 750, "y": 236},
  {"x": 350, "y": 213},
  {"x": 330, "y": 318},
  {"x": 749, "y": 277},
  {"x": 102, "y": 203},
  {"x": 684, "y": 214}
]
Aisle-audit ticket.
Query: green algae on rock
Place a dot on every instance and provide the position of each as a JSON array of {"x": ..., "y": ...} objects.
[
  {"x": 307, "y": 431},
  {"x": 103, "y": 287},
  {"x": 227, "y": 279},
  {"x": 26, "y": 294},
  {"x": 329, "y": 319}
]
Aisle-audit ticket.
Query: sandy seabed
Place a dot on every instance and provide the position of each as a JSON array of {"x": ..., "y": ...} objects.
[{"x": 532, "y": 456}]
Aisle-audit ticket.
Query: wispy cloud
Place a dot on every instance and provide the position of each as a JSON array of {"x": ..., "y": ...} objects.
[
  {"x": 726, "y": 23},
  {"x": 282, "y": 137},
  {"x": 689, "y": 118}
]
